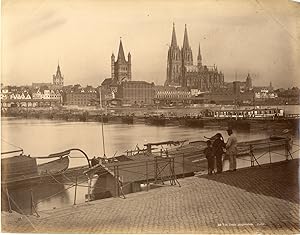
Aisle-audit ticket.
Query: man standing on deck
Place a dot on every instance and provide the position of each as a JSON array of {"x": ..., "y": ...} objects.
[
  {"x": 218, "y": 146},
  {"x": 231, "y": 147}
]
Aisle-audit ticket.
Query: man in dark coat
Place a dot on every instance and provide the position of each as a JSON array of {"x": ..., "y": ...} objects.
[{"x": 218, "y": 147}]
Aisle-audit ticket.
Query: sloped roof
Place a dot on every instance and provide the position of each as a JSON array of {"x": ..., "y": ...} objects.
[{"x": 106, "y": 81}]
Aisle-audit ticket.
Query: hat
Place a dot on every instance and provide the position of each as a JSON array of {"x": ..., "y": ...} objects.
[
  {"x": 229, "y": 130},
  {"x": 219, "y": 134}
]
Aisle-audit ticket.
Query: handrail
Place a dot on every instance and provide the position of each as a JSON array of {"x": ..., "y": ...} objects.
[
  {"x": 14, "y": 151},
  {"x": 67, "y": 152}
]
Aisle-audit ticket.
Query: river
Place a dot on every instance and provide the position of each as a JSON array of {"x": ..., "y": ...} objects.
[{"x": 43, "y": 137}]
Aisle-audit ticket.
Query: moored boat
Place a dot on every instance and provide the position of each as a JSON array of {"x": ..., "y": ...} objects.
[
  {"x": 128, "y": 119},
  {"x": 20, "y": 169},
  {"x": 156, "y": 120}
]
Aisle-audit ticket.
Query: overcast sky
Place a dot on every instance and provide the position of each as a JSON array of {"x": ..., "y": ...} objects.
[{"x": 259, "y": 37}]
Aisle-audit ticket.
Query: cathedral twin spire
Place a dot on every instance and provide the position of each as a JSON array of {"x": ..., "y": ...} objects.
[
  {"x": 186, "y": 49},
  {"x": 179, "y": 58},
  {"x": 174, "y": 40},
  {"x": 185, "y": 38}
]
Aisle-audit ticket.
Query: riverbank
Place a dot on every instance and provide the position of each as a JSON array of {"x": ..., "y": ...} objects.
[
  {"x": 251, "y": 200},
  {"x": 182, "y": 116}
]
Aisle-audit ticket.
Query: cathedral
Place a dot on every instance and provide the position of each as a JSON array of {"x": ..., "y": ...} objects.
[
  {"x": 58, "y": 79},
  {"x": 182, "y": 72},
  {"x": 121, "y": 69}
]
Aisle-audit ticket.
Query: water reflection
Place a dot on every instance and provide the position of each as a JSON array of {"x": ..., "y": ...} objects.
[
  {"x": 42, "y": 137},
  {"x": 20, "y": 198}
]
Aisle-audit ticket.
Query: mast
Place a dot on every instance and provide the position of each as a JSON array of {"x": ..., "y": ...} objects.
[
  {"x": 102, "y": 125},
  {"x": 103, "y": 143},
  {"x": 100, "y": 98}
]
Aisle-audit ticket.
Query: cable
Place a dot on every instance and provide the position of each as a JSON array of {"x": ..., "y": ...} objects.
[
  {"x": 11, "y": 144},
  {"x": 22, "y": 212},
  {"x": 276, "y": 20}
]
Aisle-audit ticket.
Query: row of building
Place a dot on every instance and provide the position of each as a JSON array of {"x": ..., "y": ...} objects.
[
  {"x": 185, "y": 84},
  {"x": 137, "y": 93}
]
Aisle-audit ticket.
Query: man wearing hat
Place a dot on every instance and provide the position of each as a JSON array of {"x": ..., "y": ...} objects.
[
  {"x": 218, "y": 146},
  {"x": 231, "y": 150}
]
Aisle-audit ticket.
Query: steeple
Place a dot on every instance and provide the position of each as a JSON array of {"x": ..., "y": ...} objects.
[
  {"x": 121, "y": 69},
  {"x": 121, "y": 56},
  {"x": 174, "y": 62},
  {"x": 248, "y": 82},
  {"x": 174, "y": 41},
  {"x": 186, "y": 51},
  {"x": 185, "y": 39},
  {"x": 58, "y": 73},
  {"x": 58, "y": 79},
  {"x": 199, "y": 58}
]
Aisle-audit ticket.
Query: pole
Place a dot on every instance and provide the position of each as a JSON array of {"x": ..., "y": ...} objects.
[
  {"x": 118, "y": 182},
  {"x": 270, "y": 154},
  {"x": 75, "y": 191},
  {"x": 251, "y": 156},
  {"x": 89, "y": 188},
  {"x": 103, "y": 143},
  {"x": 8, "y": 199},
  {"x": 286, "y": 150},
  {"x": 155, "y": 165},
  {"x": 115, "y": 173},
  {"x": 32, "y": 203},
  {"x": 183, "y": 165},
  {"x": 102, "y": 125},
  {"x": 100, "y": 98},
  {"x": 147, "y": 176}
]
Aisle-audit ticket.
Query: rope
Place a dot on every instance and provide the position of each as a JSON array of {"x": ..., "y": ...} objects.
[
  {"x": 9, "y": 197},
  {"x": 11, "y": 144}
]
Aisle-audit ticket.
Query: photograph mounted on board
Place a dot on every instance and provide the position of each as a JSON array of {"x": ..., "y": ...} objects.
[{"x": 150, "y": 116}]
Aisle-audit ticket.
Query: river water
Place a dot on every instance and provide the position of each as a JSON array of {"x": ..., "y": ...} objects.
[{"x": 43, "y": 137}]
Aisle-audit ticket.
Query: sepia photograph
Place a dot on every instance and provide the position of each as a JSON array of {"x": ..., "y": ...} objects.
[{"x": 150, "y": 117}]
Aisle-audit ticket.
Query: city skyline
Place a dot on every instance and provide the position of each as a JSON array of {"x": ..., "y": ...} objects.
[{"x": 82, "y": 35}]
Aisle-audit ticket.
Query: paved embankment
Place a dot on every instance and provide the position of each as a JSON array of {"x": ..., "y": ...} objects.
[{"x": 251, "y": 200}]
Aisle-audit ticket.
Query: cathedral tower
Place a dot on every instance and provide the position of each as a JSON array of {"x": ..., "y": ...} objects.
[
  {"x": 187, "y": 54},
  {"x": 121, "y": 69},
  {"x": 174, "y": 63},
  {"x": 199, "y": 58}
]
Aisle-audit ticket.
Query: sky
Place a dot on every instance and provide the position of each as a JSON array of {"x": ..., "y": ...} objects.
[{"x": 260, "y": 37}]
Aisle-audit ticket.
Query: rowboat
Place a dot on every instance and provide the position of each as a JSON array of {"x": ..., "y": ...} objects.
[
  {"x": 20, "y": 169},
  {"x": 54, "y": 167}
]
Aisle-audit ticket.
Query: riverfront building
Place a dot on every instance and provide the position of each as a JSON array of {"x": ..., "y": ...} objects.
[
  {"x": 136, "y": 93},
  {"x": 182, "y": 72},
  {"x": 168, "y": 95},
  {"x": 81, "y": 96}
]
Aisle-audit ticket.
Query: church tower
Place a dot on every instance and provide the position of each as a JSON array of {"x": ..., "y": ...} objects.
[
  {"x": 121, "y": 69},
  {"x": 58, "y": 79},
  {"x": 248, "y": 82},
  {"x": 199, "y": 58},
  {"x": 174, "y": 62},
  {"x": 187, "y": 54}
]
